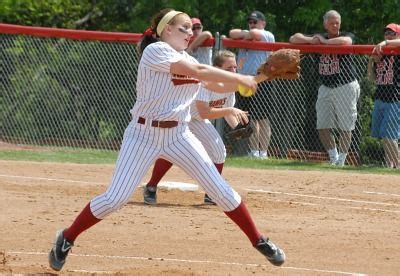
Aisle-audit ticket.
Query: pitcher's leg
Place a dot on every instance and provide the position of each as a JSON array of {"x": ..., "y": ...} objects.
[
  {"x": 135, "y": 157},
  {"x": 190, "y": 155},
  {"x": 213, "y": 143}
]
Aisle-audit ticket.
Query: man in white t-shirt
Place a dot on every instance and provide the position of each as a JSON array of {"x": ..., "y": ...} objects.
[{"x": 248, "y": 62}]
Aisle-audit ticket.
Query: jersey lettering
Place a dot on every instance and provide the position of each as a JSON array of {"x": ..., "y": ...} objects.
[
  {"x": 384, "y": 71},
  {"x": 181, "y": 79},
  {"x": 218, "y": 103},
  {"x": 328, "y": 65}
]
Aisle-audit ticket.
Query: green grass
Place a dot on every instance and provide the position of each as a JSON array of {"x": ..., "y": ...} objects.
[
  {"x": 88, "y": 156},
  {"x": 64, "y": 155},
  {"x": 283, "y": 164}
]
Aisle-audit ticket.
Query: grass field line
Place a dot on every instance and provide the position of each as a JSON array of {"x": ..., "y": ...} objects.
[{"x": 189, "y": 261}]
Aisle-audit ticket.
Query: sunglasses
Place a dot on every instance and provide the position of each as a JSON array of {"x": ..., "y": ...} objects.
[
  {"x": 197, "y": 28},
  {"x": 390, "y": 33},
  {"x": 252, "y": 22}
]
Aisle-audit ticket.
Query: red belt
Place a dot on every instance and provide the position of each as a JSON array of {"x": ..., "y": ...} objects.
[{"x": 162, "y": 124}]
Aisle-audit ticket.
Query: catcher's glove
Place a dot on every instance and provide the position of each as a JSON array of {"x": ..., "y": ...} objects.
[
  {"x": 282, "y": 64},
  {"x": 240, "y": 131}
]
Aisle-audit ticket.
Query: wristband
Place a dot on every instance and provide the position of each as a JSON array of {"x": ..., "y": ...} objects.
[{"x": 386, "y": 42}]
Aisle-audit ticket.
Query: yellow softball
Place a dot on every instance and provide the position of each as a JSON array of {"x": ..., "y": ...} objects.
[{"x": 245, "y": 91}]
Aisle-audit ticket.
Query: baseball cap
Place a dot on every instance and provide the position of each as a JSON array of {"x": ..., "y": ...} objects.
[
  {"x": 195, "y": 21},
  {"x": 256, "y": 15},
  {"x": 394, "y": 27}
]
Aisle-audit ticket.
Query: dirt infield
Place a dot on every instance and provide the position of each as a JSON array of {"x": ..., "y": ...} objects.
[{"x": 329, "y": 223}]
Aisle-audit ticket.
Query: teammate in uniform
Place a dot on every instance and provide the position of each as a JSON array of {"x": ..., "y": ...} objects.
[
  {"x": 338, "y": 95},
  {"x": 207, "y": 105},
  {"x": 384, "y": 70},
  {"x": 168, "y": 81}
]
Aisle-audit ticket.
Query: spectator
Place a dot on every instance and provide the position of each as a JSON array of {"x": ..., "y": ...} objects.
[
  {"x": 202, "y": 54},
  {"x": 248, "y": 62},
  {"x": 339, "y": 92},
  {"x": 385, "y": 72}
]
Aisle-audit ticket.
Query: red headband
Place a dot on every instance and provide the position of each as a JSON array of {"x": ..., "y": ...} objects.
[{"x": 149, "y": 32}]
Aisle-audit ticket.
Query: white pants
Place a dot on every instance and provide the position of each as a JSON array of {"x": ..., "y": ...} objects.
[
  {"x": 141, "y": 146},
  {"x": 210, "y": 138}
]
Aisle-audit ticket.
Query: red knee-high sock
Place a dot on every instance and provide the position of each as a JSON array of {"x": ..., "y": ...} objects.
[
  {"x": 83, "y": 221},
  {"x": 242, "y": 218},
  {"x": 160, "y": 169},
  {"x": 219, "y": 166}
]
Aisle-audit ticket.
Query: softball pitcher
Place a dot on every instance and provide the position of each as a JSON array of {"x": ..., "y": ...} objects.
[
  {"x": 207, "y": 105},
  {"x": 168, "y": 81}
]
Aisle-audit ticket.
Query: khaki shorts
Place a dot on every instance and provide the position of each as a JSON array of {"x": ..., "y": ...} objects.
[{"x": 337, "y": 107}]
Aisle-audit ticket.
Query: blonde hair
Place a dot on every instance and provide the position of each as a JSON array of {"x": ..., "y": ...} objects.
[
  {"x": 165, "y": 20},
  {"x": 221, "y": 56},
  {"x": 155, "y": 22}
]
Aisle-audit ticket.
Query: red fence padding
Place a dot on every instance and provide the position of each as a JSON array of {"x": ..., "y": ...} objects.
[
  {"x": 306, "y": 48},
  {"x": 226, "y": 42},
  {"x": 71, "y": 34}
]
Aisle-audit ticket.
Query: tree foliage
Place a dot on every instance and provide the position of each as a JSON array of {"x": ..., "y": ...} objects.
[{"x": 365, "y": 18}]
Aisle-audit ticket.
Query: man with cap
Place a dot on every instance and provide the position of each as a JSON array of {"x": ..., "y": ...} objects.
[
  {"x": 339, "y": 92},
  {"x": 385, "y": 72},
  {"x": 202, "y": 54},
  {"x": 248, "y": 63}
]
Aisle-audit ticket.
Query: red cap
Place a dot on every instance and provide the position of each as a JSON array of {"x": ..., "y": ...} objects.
[
  {"x": 394, "y": 27},
  {"x": 195, "y": 21}
]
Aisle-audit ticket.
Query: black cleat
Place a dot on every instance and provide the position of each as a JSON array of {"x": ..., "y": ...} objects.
[
  {"x": 59, "y": 252},
  {"x": 150, "y": 195},
  {"x": 208, "y": 200},
  {"x": 274, "y": 254}
]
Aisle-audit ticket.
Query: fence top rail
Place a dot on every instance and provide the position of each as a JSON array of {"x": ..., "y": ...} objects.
[
  {"x": 71, "y": 34},
  {"x": 307, "y": 48},
  {"x": 226, "y": 42}
]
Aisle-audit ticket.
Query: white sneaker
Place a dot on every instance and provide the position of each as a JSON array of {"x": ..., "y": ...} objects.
[
  {"x": 263, "y": 154},
  {"x": 341, "y": 159},
  {"x": 333, "y": 162},
  {"x": 333, "y": 156},
  {"x": 254, "y": 154}
]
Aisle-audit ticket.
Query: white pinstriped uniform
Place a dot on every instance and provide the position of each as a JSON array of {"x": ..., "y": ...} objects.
[
  {"x": 162, "y": 96},
  {"x": 203, "y": 129}
]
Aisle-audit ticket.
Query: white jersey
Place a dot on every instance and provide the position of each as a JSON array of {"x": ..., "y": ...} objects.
[
  {"x": 160, "y": 96},
  {"x": 216, "y": 100}
]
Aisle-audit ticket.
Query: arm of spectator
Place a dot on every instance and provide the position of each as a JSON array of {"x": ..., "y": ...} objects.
[
  {"x": 239, "y": 34},
  {"x": 340, "y": 40},
  {"x": 299, "y": 38},
  {"x": 198, "y": 41},
  {"x": 393, "y": 42},
  {"x": 256, "y": 34},
  {"x": 379, "y": 47}
]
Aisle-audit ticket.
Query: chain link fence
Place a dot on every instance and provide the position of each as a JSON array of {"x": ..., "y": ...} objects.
[{"x": 59, "y": 91}]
